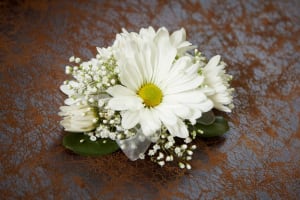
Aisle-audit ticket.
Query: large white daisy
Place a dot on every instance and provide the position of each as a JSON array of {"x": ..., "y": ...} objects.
[{"x": 156, "y": 88}]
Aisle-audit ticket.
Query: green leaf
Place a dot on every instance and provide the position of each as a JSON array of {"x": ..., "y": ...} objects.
[
  {"x": 218, "y": 128},
  {"x": 207, "y": 118},
  {"x": 87, "y": 147}
]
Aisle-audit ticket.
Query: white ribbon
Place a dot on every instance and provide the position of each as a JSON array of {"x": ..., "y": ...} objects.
[{"x": 134, "y": 146}]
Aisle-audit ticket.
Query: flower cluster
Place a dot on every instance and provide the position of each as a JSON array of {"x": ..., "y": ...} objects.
[{"x": 147, "y": 92}]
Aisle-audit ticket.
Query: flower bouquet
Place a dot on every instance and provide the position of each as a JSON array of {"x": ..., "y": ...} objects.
[{"x": 150, "y": 94}]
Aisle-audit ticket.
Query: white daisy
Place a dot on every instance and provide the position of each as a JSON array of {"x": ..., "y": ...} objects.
[
  {"x": 155, "y": 87},
  {"x": 218, "y": 81}
]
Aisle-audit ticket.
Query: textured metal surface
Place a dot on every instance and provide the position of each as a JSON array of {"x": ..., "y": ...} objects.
[{"x": 258, "y": 159}]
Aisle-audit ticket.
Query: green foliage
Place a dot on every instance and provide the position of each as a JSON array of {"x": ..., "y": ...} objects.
[
  {"x": 82, "y": 145},
  {"x": 217, "y": 128}
]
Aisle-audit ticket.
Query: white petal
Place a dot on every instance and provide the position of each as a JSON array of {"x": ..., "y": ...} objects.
[
  {"x": 178, "y": 130},
  {"x": 182, "y": 111},
  {"x": 214, "y": 61},
  {"x": 194, "y": 96},
  {"x": 166, "y": 115},
  {"x": 166, "y": 54},
  {"x": 150, "y": 60},
  {"x": 222, "y": 107},
  {"x": 184, "y": 47},
  {"x": 65, "y": 89},
  {"x": 193, "y": 69},
  {"x": 178, "y": 37},
  {"x": 125, "y": 103},
  {"x": 147, "y": 33},
  {"x": 149, "y": 121},
  {"x": 184, "y": 84},
  {"x": 70, "y": 101},
  {"x": 129, "y": 75},
  {"x": 177, "y": 73},
  {"x": 120, "y": 90},
  {"x": 208, "y": 91},
  {"x": 204, "y": 106},
  {"x": 130, "y": 119},
  {"x": 143, "y": 59}
]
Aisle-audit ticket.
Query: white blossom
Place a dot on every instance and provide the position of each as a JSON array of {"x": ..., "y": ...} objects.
[
  {"x": 218, "y": 81},
  {"x": 80, "y": 118},
  {"x": 155, "y": 88}
]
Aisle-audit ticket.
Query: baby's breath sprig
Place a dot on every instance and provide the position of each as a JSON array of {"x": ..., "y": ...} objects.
[
  {"x": 166, "y": 149},
  {"x": 92, "y": 78}
]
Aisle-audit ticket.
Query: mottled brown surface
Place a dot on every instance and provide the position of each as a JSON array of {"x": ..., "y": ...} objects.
[{"x": 259, "y": 157}]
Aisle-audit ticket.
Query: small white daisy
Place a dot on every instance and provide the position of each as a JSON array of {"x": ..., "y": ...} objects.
[{"x": 217, "y": 80}]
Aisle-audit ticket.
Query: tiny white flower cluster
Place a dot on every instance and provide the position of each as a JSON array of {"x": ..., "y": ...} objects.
[
  {"x": 146, "y": 85},
  {"x": 167, "y": 149}
]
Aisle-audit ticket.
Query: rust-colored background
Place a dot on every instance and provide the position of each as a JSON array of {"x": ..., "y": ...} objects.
[{"x": 257, "y": 159}]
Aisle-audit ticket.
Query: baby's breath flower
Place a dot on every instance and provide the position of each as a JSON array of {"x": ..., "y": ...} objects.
[
  {"x": 72, "y": 59},
  {"x": 188, "y": 166},
  {"x": 161, "y": 163},
  {"x": 181, "y": 165},
  {"x": 77, "y": 60}
]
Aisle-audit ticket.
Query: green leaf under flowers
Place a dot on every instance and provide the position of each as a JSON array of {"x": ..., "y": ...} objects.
[
  {"x": 87, "y": 147},
  {"x": 207, "y": 118},
  {"x": 218, "y": 128}
]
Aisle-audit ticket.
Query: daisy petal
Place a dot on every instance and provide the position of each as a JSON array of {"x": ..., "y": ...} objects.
[
  {"x": 166, "y": 115},
  {"x": 66, "y": 89},
  {"x": 214, "y": 61},
  {"x": 178, "y": 130},
  {"x": 120, "y": 90},
  {"x": 125, "y": 103},
  {"x": 178, "y": 36},
  {"x": 150, "y": 123},
  {"x": 166, "y": 54},
  {"x": 194, "y": 96},
  {"x": 130, "y": 119}
]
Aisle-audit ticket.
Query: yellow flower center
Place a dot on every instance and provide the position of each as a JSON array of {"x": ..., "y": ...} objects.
[{"x": 151, "y": 94}]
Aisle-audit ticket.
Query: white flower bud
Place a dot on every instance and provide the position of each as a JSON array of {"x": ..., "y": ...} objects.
[
  {"x": 177, "y": 150},
  {"x": 73, "y": 120},
  {"x": 151, "y": 152},
  {"x": 77, "y": 60},
  {"x": 161, "y": 163},
  {"x": 188, "y": 166},
  {"x": 189, "y": 152},
  {"x": 112, "y": 81},
  {"x": 188, "y": 140},
  {"x": 181, "y": 165},
  {"x": 184, "y": 146},
  {"x": 160, "y": 156},
  {"x": 72, "y": 59},
  {"x": 169, "y": 158}
]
